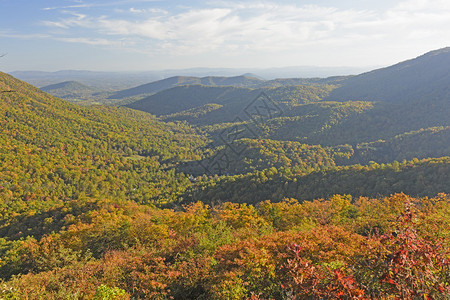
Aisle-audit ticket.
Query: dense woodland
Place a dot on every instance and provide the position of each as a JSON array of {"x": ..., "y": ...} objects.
[{"x": 228, "y": 188}]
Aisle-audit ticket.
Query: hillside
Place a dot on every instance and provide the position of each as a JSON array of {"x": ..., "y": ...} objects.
[
  {"x": 184, "y": 98},
  {"x": 177, "y": 103},
  {"x": 53, "y": 150},
  {"x": 70, "y": 90},
  {"x": 245, "y": 155},
  {"x": 423, "y": 78},
  {"x": 427, "y": 177},
  {"x": 42, "y": 111},
  {"x": 423, "y": 143}
]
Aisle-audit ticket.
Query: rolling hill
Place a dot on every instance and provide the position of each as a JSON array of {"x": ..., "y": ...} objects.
[
  {"x": 70, "y": 90},
  {"x": 176, "y": 103},
  {"x": 160, "y": 85},
  {"x": 183, "y": 98}
]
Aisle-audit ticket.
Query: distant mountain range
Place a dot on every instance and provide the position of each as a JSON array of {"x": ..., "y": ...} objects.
[
  {"x": 115, "y": 81},
  {"x": 380, "y": 113},
  {"x": 244, "y": 81}
]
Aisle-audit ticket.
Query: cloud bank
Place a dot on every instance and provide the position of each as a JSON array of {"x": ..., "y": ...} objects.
[{"x": 253, "y": 27}]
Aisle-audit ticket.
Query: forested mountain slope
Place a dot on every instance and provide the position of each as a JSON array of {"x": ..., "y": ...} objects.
[
  {"x": 52, "y": 151},
  {"x": 426, "y": 77},
  {"x": 337, "y": 123},
  {"x": 38, "y": 113},
  {"x": 247, "y": 155},
  {"x": 423, "y": 143},
  {"x": 183, "y": 98},
  {"x": 180, "y": 103},
  {"x": 426, "y": 177},
  {"x": 385, "y": 121}
]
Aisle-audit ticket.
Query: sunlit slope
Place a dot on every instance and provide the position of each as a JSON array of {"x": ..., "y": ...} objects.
[{"x": 53, "y": 150}]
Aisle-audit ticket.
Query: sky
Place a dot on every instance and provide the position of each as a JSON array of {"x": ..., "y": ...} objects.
[{"x": 144, "y": 35}]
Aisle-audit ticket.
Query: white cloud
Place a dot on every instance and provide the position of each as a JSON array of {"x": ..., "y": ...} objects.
[
  {"x": 423, "y": 5},
  {"x": 409, "y": 20},
  {"x": 97, "y": 42},
  {"x": 23, "y": 36},
  {"x": 254, "y": 27},
  {"x": 68, "y": 7},
  {"x": 55, "y": 24},
  {"x": 90, "y": 5},
  {"x": 137, "y": 11},
  {"x": 74, "y": 20}
]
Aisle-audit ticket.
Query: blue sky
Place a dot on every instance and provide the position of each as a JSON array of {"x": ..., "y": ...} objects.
[{"x": 131, "y": 35}]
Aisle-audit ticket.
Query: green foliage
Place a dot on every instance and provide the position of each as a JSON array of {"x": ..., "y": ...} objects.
[
  {"x": 104, "y": 292},
  {"x": 260, "y": 154},
  {"x": 423, "y": 143},
  {"x": 191, "y": 115},
  {"x": 53, "y": 151},
  {"x": 426, "y": 177},
  {"x": 192, "y": 102}
]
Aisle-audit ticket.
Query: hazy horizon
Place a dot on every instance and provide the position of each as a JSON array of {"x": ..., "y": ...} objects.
[{"x": 205, "y": 69}]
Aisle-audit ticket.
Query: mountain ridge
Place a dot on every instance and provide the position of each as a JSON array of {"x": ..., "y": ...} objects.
[
  {"x": 424, "y": 77},
  {"x": 160, "y": 85}
]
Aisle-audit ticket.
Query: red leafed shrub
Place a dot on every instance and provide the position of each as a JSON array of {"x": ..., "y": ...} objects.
[
  {"x": 401, "y": 264},
  {"x": 308, "y": 281},
  {"x": 408, "y": 265}
]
